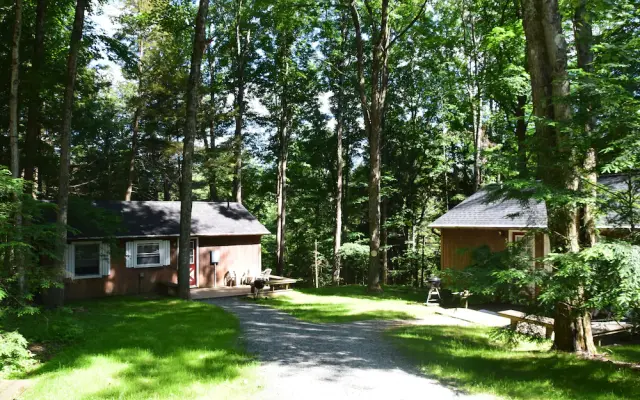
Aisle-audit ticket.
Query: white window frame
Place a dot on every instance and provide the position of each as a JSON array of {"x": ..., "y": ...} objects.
[
  {"x": 76, "y": 244},
  {"x": 143, "y": 242}
]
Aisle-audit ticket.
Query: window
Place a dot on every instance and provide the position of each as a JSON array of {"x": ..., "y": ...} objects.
[
  {"x": 87, "y": 259},
  {"x": 192, "y": 250},
  {"x": 148, "y": 254}
]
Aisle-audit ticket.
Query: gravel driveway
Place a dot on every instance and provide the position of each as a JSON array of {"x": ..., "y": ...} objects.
[{"x": 302, "y": 360}]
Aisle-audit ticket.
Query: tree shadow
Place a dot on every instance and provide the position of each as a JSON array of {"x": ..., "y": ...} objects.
[
  {"x": 466, "y": 358},
  {"x": 146, "y": 349}
]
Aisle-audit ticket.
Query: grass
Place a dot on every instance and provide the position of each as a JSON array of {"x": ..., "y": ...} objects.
[
  {"x": 467, "y": 358},
  {"x": 629, "y": 353},
  {"x": 135, "y": 348},
  {"x": 352, "y": 303}
]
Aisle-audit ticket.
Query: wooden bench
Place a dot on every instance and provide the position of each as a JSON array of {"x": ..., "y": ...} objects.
[
  {"x": 276, "y": 281},
  {"x": 517, "y": 316},
  {"x": 462, "y": 297}
]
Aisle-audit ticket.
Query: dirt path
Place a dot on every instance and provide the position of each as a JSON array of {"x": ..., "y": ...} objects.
[{"x": 302, "y": 360}]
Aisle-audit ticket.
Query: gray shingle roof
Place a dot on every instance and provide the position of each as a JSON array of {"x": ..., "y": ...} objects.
[
  {"x": 162, "y": 218},
  {"x": 477, "y": 212}
]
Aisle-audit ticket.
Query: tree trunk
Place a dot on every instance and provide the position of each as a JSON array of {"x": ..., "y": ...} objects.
[
  {"x": 583, "y": 35},
  {"x": 282, "y": 188},
  {"x": 35, "y": 102},
  {"x": 135, "y": 129},
  {"x": 211, "y": 149},
  {"x": 557, "y": 166},
  {"x": 65, "y": 140},
  {"x": 337, "y": 235},
  {"x": 199, "y": 43},
  {"x": 132, "y": 157},
  {"x": 13, "y": 139},
  {"x": 373, "y": 110},
  {"x": 521, "y": 135},
  {"x": 13, "y": 97},
  {"x": 239, "y": 107}
]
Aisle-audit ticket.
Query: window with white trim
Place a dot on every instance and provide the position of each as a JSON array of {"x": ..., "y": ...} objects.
[
  {"x": 148, "y": 254},
  {"x": 87, "y": 259}
]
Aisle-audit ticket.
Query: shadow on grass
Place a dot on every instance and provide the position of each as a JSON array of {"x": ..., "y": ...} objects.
[
  {"x": 467, "y": 359},
  {"x": 136, "y": 348},
  {"x": 627, "y": 352},
  {"x": 330, "y": 312}
]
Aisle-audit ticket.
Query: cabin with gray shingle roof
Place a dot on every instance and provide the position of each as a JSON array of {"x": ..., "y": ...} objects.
[
  {"x": 478, "y": 221},
  {"x": 131, "y": 247}
]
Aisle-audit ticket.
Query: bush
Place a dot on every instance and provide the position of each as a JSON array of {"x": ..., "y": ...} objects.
[{"x": 14, "y": 355}]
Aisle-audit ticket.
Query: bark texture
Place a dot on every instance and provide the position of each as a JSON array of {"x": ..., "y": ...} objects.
[
  {"x": 65, "y": 138},
  {"x": 199, "y": 43}
]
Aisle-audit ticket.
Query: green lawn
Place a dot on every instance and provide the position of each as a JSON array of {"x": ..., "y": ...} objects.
[
  {"x": 626, "y": 352},
  {"x": 134, "y": 348},
  {"x": 466, "y": 358},
  {"x": 352, "y": 303}
]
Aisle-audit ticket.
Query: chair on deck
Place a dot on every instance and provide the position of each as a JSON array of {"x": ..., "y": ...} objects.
[{"x": 230, "y": 279}]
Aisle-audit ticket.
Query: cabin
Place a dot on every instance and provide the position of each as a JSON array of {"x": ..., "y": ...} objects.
[
  {"x": 131, "y": 247},
  {"x": 478, "y": 221}
]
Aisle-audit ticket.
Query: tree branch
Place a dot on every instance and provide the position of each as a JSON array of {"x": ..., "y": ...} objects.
[{"x": 413, "y": 21}]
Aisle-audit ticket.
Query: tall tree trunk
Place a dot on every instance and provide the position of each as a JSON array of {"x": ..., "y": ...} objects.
[
  {"x": 13, "y": 96},
  {"x": 283, "y": 140},
  {"x": 13, "y": 138},
  {"x": 557, "y": 164},
  {"x": 211, "y": 149},
  {"x": 337, "y": 234},
  {"x": 35, "y": 102},
  {"x": 65, "y": 138},
  {"x": 583, "y": 35},
  {"x": 239, "y": 106},
  {"x": 199, "y": 43},
  {"x": 132, "y": 157},
  {"x": 135, "y": 129},
  {"x": 373, "y": 109},
  {"x": 521, "y": 135}
]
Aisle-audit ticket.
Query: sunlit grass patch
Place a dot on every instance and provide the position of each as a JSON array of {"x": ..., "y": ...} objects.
[
  {"x": 133, "y": 348},
  {"x": 352, "y": 303},
  {"x": 467, "y": 358}
]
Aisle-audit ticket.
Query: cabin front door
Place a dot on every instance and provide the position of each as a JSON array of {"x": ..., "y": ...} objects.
[{"x": 193, "y": 267}]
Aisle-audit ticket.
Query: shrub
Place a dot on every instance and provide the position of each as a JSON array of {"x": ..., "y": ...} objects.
[{"x": 14, "y": 355}]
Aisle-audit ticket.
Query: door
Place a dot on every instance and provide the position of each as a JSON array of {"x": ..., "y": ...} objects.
[{"x": 193, "y": 267}]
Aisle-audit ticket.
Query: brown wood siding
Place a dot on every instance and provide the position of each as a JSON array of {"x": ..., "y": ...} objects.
[
  {"x": 241, "y": 254},
  {"x": 457, "y": 244},
  {"x": 123, "y": 280}
]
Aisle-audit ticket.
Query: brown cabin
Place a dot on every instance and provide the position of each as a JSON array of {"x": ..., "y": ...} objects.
[
  {"x": 140, "y": 255},
  {"x": 477, "y": 222}
]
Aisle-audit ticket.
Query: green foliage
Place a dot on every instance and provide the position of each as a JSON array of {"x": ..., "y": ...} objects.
[
  {"x": 609, "y": 274},
  {"x": 14, "y": 355}
]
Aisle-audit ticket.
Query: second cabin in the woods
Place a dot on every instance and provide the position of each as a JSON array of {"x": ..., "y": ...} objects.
[
  {"x": 130, "y": 247},
  {"x": 478, "y": 221}
]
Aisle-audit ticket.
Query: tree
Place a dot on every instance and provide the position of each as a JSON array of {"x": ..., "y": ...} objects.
[
  {"x": 557, "y": 166},
  {"x": 35, "y": 102},
  {"x": 199, "y": 43},
  {"x": 373, "y": 109},
  {"x": 65, "y": 136}
]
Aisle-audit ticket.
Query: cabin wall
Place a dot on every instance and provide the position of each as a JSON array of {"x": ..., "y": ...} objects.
[
  {"x": 457, "y": 244},
  {"x": 122, "y": 280},
  {"x": 242, "y": 254}
]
